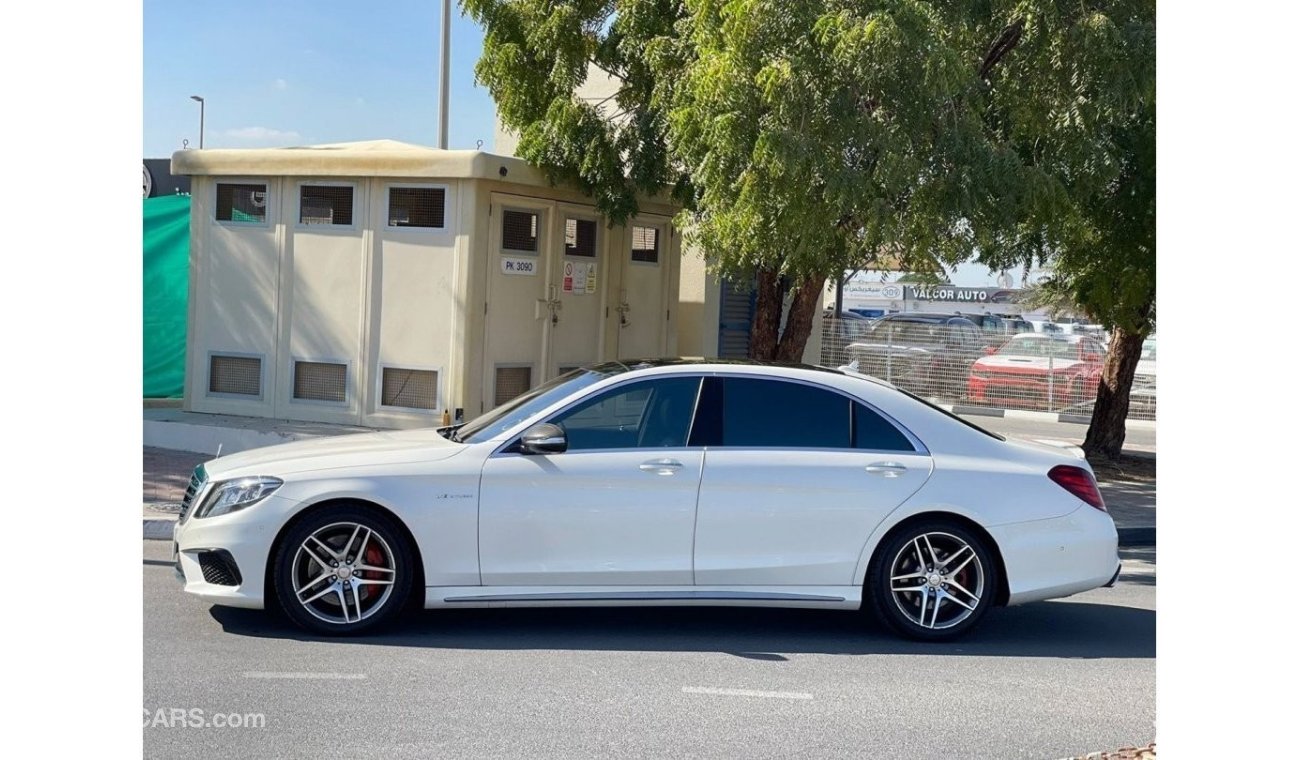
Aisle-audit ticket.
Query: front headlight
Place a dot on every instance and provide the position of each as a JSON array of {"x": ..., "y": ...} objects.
[{"x": 234, "y": 495}]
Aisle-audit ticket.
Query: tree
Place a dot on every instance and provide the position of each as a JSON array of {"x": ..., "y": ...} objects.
[
  {"x": 804, "y": 139},
  {"x": 1086, "y": 118},
  {"x": 807, "y": 138}
]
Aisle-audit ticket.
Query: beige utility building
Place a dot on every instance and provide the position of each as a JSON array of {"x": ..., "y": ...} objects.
[{"x": 380, "y": 283}]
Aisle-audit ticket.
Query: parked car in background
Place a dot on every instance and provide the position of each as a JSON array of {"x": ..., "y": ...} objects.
[
  {"x": 1039, "y": 371},
  {"x": 997, "y": 329},
  {"x": 922, "y": 352},
  {"x": 1045, "y": 326},
  {"x": 1142, "y": 397},
  {"x": 837, "y": 334}
]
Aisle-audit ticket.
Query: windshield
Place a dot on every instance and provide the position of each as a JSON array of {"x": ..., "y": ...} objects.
[
  {"x": 1034, "y": 346},
  {"x": 497, "y": 421}
]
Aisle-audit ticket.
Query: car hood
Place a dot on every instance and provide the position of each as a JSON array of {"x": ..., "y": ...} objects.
[
  {"x": 1015, "y": 363},
  {"x": 391, "y": 447}
]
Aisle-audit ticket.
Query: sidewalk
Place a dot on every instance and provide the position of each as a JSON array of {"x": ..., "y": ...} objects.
[{"x": 1131, "y": 501}]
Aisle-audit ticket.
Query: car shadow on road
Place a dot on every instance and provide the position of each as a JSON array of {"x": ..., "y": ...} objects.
[{"x": 1045, "y": 629}]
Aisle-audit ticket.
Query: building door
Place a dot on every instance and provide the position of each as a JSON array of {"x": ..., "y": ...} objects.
[
  {"x": 735, "y": 314},
  {"x": 643, "y": 313},
  {"x": 520, "y": 300},
  {"x": 576, "y": 284}
]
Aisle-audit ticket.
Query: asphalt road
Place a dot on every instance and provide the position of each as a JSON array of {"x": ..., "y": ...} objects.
[
  {"x": 1139, "y": 438},
  {"x": 1046, "y": 680}
]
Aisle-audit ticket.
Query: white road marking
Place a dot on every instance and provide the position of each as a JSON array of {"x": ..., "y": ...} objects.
[
  {"x": 310, "y": 676},
  {"x": 746, "y": 693}
]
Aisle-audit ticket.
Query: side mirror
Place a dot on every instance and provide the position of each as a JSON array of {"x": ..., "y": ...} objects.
[
  {"x": 544, "y": 439},
  {"x": 990, "y": 350}
]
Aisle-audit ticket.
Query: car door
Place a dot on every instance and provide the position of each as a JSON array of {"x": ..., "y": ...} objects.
[
  {"x": 795, "y": 479},
  {"x": 616, "y": 508}
]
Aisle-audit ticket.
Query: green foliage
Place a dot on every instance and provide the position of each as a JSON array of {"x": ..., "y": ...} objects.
[
  {"x": 1079, "y": 105},
  {"x": 809, "y": 137}
]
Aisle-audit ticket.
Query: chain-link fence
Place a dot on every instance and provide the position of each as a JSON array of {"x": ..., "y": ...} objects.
[{"x": 953, "y": 360}]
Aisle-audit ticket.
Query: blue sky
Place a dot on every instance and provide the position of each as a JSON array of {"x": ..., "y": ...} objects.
[
  {"x": 299, "y": 73},
  {"x": 302, "y": 73}
]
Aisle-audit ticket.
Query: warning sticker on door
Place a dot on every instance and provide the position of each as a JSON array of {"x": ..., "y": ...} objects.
[
  {"x": 568, "y": 277},
  {"x": 590, "y": 284},
  {"x": 580, "y": 279}
]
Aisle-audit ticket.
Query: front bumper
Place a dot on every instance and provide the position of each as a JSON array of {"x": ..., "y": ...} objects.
[
  {"x": 1047, "y": 559},
  {"x": 246, "y": 536}
]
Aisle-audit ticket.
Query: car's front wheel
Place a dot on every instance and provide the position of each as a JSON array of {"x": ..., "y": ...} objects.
[
  {"x": 932, "y": 581},
  {"x": 343, "y": 569}
]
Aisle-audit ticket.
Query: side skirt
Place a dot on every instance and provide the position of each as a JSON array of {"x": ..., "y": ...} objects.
[{"x": 822, "y": 597}]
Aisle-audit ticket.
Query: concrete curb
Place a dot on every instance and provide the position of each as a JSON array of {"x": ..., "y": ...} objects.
[
  {"x": 158, "y": 530},
  {"x": 207, "y": 439},
  {"x": 1129, "y": 537}
]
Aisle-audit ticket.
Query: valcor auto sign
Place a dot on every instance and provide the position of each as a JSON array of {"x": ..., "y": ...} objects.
[{"x": 959, "y": 295}]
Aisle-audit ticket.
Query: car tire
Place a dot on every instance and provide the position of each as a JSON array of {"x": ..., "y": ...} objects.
[
  {"x": 344, "y": 569},
  {"x": 917, "y": 601}
]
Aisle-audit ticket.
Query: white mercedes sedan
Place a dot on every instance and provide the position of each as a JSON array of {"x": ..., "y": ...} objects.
[{"x": 660, "y": 483}]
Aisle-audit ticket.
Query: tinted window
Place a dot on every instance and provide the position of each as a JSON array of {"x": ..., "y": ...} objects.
[
  {"x": 502, "y": 418},
  {"x": 759, "y": 412},
  {"x": 871, "y": 431},
  {"x": 651, "y": 414}
]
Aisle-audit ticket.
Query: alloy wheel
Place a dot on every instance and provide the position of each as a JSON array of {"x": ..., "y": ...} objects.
[
  {"x": 343, "y": 573},
  {"x": 937, "y": 580}
]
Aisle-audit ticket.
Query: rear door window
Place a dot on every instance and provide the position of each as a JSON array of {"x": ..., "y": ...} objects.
[
  {"x": 874, "y": 432},
  {"x": 758, "y": 412}
]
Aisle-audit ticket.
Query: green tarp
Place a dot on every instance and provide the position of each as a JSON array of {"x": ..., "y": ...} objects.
[{"x": 166, "y": 293}]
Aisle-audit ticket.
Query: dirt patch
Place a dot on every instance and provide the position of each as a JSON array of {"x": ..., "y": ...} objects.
[
  {"x": 1126, "y": 753},
  {"x": 1125, "y": 469}
]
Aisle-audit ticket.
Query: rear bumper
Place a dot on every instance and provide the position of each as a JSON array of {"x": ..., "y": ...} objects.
[
  {"x": 1047, "y": 559},
  {"x": 1026, "y": 389}
]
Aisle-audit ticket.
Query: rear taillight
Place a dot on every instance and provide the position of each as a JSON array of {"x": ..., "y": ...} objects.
[{"x": 1079, "y": 482}]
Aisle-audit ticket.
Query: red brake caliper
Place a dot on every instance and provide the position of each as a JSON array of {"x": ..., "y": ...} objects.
[{"x": 373, "y": 557}]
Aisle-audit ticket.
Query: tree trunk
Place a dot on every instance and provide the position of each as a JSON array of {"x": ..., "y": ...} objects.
[
  {"x": 765, "y": 329},
  {"x": 799, "y": 322},
  {"x": 1106, "y": 431}
]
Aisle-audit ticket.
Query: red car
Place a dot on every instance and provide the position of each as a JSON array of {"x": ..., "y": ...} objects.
[{"x": 1038, "y": 370}]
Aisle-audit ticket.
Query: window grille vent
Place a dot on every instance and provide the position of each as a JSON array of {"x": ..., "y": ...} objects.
[
  {"x": 410, "y": 388},
  {"x": 417, "y": 207},
  {"x": 519, "y": 231},
  {"x": 580, "y": 238},
  {"x": 241, "y": 202},
  {"x": 240, "y": 375},
  {"x": 645, "y": 244},
  {"x": 511, "y": 382},
  {"x": 320, "y": 381},
  {"x": 325, "y": 204}
]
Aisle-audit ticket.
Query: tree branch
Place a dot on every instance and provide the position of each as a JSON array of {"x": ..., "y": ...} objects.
[{"x": 1000, "y": 49}]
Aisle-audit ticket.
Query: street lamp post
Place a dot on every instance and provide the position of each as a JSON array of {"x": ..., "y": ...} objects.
[
  {"x": 201, "y": 108},
  {"x": 443, "y": 74}
]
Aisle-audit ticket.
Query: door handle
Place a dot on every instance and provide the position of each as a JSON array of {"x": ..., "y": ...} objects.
[
  {"x": 886, "y": 469},
  {"x": 661, "y": 466}
]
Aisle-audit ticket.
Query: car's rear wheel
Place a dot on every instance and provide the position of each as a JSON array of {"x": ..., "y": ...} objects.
[
  {"x": 343, "y": 569},
  {"x": 932, "y": 581}
]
